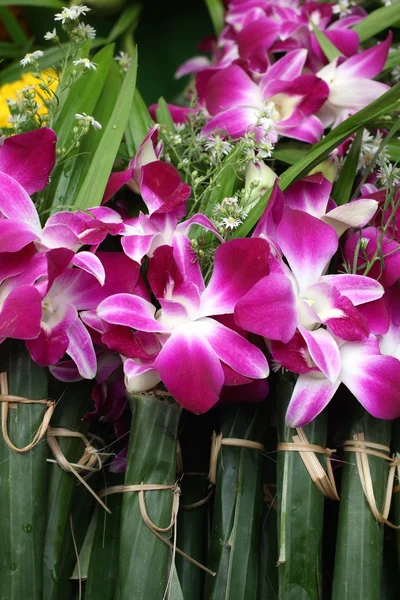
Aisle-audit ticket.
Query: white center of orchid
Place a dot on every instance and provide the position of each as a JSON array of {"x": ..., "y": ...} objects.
[{"x": 283, "y": 106}]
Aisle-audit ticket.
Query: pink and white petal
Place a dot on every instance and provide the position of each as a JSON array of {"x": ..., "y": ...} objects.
[
  {"x": 51, "y": 344},
  {"x": 310, "y": 195},
  {"x": 309, "y": 130},
  {"x": 269, "y": 309},
  {"x": 367, "y": 64},
  {"x": 115, "y": 183},
  {"x": 190, "y": 369},
  {"x": 14, "y": 263},
  {"x": 193, "y": 65},
  {"x": 20, "y": 313},
  {"x": 354, "y": 214},
  {"x": 229, "y": 284},
  {"x": 308, "y": 245},
  {"x": 15, "y": 235},
  {"x": 373, "y": 379},
  {"x": 29, "y": 158},
  {"x": 235, "y": 122},
  {"x": 59, "y": 235},
  {"x": 185, "y": 226},
  {"x": 187, "y": 261},
  {"x": 91, "y": 264},
  {"x": 356, "y": 96},
  {"x": 131, "y": 311},
  {"x": 337, "y": 312},
  {"x": 65, "y": 370},
  {"x": 359, "y": 289},
  {"x": 81, "y": 349},
  {"x": 286, "y": 68},
  {"x": 377, "y": 315},
  {"x": 310, "y": 396},
  {"x": 231, "y": 88},
  {"x": 234, "y": 350},
  {"x": 15, "y": 203},
  {"x": 293, "y": 356},
  {"x": 324, "y": 351},
  {"x": 140, "y": 378},
  {"x": 172, "y": 313},
  {"x": 137, "y": 246},
  {"x": 161, "y": 187}
]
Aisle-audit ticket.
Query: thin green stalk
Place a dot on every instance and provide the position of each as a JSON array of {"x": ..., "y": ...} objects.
[
  {"x": 62, "y": 486},
  {"x": 144, "y": 559},
  {"x": 22, "y": 480},
  {"x": 359, "y": 545},
  {"x": 236, "y": 525},
  {"x": 192, "y": 534},
  {"x": 300, "y": 511},
  {"x": 104, "y": 557}
]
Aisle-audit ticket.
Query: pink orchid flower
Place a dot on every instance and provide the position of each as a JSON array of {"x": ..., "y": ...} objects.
[
  {"x": 194, "y": 345},
  {"x": 158, "y": 182},
  {"x": 374, "y": 379},
  {"x": 351, "y": 85},
  {"x": 303, "y": 297},
  {"x": 284, "y": 102}
]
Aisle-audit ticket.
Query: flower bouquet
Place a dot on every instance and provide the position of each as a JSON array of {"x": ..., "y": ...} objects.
[{"x": 199, "y": 311}]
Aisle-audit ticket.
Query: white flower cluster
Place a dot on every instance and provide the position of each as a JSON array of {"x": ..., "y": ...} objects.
[
  {"x": 369, "y": 146},
  {"x": 72, "y": 13},
  {"x": 343, "y": 8},
  {"x": 87, "y": 120},
  {"x": 31, "y": 58},
  {"x": 229, "y": 214}
]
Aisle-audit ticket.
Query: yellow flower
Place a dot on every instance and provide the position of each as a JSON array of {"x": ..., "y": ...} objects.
[{"x": 9, "y": 91}]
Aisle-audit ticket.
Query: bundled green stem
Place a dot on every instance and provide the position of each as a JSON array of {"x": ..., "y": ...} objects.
[
  {"x": 359, "y": 545},
  {"x": 235, "y": 532},
  {"x": 144, "y": 559},
  {"x": 22, "y": 480},
  {"x": 75, "y": 401},
  {"x": 300, "y": 511}
]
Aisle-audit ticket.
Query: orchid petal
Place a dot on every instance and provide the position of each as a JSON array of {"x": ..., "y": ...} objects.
[
  {"x": 52, "y": 342},
  {"x": 269, "y": 308},
  {"x": 131, "y": 311},
  {"x": 311, "y": 394},
  {"x": 188, "y": 357},
  {"x": 236, "y": 121},
  {"x": 324, "y": 351},
  {"x": 310, "y": 195},
  {"x": 367, "y": 64},
  {"x": 230, "y": 88},
  {"x": 354, "y": 214},
  {"x": 308, "y": 245},
  {"x": 359, "y": 289},
  {"x": 91, "y": 264},
  {"x": 116, "y": 182},
  {"x": 15, "y": 203},
  {"x": 140, "y": 378},
  {"x": 65, "y": 371},
  {"x": 20, "y": 313},
  {"x": 187, "y": 261},
  {"x": 15, "y": 235},
  {"x": 81, "y": 349},
  {"x": 229, "y": 284}
]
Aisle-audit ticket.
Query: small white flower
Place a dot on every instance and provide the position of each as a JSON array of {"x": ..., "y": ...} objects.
[
  {"x": 217, "y": 146},
  {"x": 31, "y": 58},
  {"x": 17, "y": 119},
  {"x": 87, "y": 30},
  {"x": 233, "y": 201},
  {"x": 50, "y": 35},
  {"x": 395, "y": 73},
  {"x": 85, "y": 62},
  {"x": 230, "y": 223},
  {"x": 84, "y": 118},
  {"x": 123, "y": 60},
  {"x": 71, "y": 14},
  {"x": 343, "y": 8}
]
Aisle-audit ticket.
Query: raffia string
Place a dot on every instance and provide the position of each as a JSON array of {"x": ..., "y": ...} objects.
[
  {"x": 203, "y": 500},
  {"x": 157, "y": 531},
  {"x": 324, "y": 480},
  {"x": 218, "y": 441},
  {"x": 8, "y": 401},
  {"x": 90, "y": 462},
  {"x": 362, "y": 449},
  {"x": 396, "y": 489}
]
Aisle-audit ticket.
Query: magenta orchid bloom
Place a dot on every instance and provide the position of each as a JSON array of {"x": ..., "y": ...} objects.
[
  {"x": 304, "y": 298},
  {"x": 351, "y": 85},
  {"x": 372, "y": 378},
  {"x": 158, "y": 182},
  {"x": 194, "y": 345},
  {"x": 284, "y": 102}
]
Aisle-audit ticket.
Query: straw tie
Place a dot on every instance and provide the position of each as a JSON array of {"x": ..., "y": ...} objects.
[
  {"x": 8, "y": 402},
  {"x": 324, "y": 480},
  {"x": 216, "y": 444}
]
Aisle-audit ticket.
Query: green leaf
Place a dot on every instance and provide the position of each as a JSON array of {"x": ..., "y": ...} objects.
[
  {"x": 358, "y": 567},
  {"x": 13, "y": 27},
  {"x": 393, "y": 147},
  {"x": 92, "y": 189},
  {"x": 36, "y": 3},
  {"x": 83, "y": 561},
  {"x": 129, "y": 19},
  {"x": 164, "y": 116},
  {"x": 393, "y": 60},
  {"x": 23, "y": 479},
  {"x": 344, "y": 185},
  {"x": 236, "y": 524},
  {"x": 290, "y": 152},
  {"x": 8, "y": 50},
  {"x": 377, "y": 21},
  {"x": 329, "y": 49},
  {"x": 75, "y": 401},
  {"x": 69, "y": 178},
  {"x": 300, "y": 510},
  {"x": 139, "y": 123},
  {"x": 385, "y": 104},
  {"x": 144, "y": 559},
  {"x": 217, "y": 13}
]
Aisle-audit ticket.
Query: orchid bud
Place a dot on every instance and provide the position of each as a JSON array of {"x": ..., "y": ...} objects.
[
  {"x": 328, "y": 168},
  {"x": 258, "y": 179}
]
